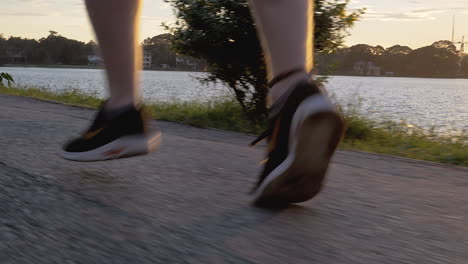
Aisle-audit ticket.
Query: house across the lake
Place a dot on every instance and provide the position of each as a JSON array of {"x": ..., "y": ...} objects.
[
  {"x": 366, "y": 68},
  {"x": 94, "y": 60},
  {"x": 147, "y": 59}
]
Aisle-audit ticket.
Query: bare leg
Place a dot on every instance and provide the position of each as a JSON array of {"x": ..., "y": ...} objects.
[
  {"x": 305, "y": 128},
  {"x": 287, "y": 41},
  {"x": 119, "y": 129},
  {"x": 116, "y": 23}
]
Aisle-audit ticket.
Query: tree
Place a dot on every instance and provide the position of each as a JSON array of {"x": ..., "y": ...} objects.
[
  {"x": 222, "y": 33},
  {"x": 394, "y": 59},
  {"x": 399, "y": 50},
  {"x": 61, "y": 50},
  {"x": 331, "y": 22},
  {"x": 464, "y": 66},
  {"x": 432, "y": 61},
  {"x": 160, "y": 48},
  {"x": 445, "y": 44},
  {"x": 440, "y": 59},
  {"x": 90, "y": 48},
  {"x": 2, "y": 47},
  {"x": 358, "y": 53},
  {"x": 52, "y": 49}
]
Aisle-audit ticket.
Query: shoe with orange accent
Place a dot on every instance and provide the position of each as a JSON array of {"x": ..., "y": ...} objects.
[
  {"x": 124, "y": 135},
  {"x": 304, "y": 132}
]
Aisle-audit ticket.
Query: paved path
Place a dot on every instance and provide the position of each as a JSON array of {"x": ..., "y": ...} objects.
[{"x": 188, "y": 202}]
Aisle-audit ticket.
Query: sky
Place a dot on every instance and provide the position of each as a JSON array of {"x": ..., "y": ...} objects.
[{"x": 413, "y": 23}]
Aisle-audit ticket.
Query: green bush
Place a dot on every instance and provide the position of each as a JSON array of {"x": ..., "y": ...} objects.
[
  {"x": 7, "y": 77},
  {"x": 222, "y": 33}
]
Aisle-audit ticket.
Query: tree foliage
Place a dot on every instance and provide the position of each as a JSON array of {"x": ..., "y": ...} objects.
[
  {"x": 57, "y": 49},
  {"x": 7, "y": 77},
  {"x": 440, "y": 59},
  {"x": 464, "y": 66},
  {"x": 53, "y": 49},
  {"x": 160, "y": 48},
  {"x": 222, "y": 33}
]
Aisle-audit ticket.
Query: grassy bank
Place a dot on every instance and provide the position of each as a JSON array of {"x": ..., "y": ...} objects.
[{"x": 362, "y": 134}]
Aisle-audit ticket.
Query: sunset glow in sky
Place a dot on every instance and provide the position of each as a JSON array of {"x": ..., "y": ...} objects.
[{"x": 414, "y": 23}]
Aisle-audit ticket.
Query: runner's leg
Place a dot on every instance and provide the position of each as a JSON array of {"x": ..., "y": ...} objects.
[
  {"x": 119, "y": 129},
  {"x": 117, "y": 27},
  {"x": 304, "y": 127},
  {"x": 287, "y": 41}
]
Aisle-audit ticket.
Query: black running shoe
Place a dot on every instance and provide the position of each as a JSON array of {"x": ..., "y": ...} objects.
[
  {"x": 304, "y": 132},
  {"x": 125, "y": 135}
]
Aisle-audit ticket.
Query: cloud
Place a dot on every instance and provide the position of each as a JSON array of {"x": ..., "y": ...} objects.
[
  {"x": 20, "y": 14},
  {"x": 393, "y": 16},
  {"x": 411, "y": 15}
]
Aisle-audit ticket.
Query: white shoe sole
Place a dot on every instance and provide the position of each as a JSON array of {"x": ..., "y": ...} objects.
[
  {"x": 316, "y": 130},
  {"x": 123, "y": 147}
]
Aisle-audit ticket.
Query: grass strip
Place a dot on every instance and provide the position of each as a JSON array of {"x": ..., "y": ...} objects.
[{"x": 361, "y": 134}]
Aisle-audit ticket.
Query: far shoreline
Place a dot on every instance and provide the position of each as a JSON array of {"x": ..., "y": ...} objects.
[
  {"x": 49, "y": 66},
  {"x": 52, "y": 66}
]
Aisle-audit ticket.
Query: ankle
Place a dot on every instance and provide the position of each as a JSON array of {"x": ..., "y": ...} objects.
[
  {"x": 113, "y": 105},
  {"x": 284, "y": 86},
  {"x": 113, "y": 110}
]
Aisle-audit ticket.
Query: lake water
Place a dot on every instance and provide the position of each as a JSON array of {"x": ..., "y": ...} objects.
[{"x": 439, "y": 103}]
